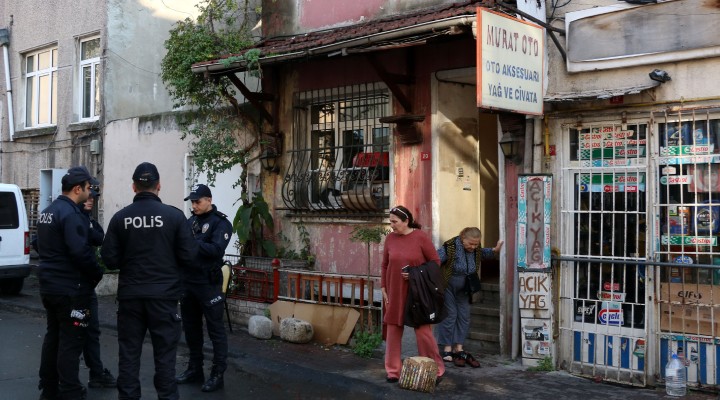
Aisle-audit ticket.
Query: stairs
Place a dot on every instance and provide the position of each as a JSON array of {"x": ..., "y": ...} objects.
[{"x": 484, "y": 333}]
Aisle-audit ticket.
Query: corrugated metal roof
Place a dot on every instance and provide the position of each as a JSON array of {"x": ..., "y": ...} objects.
[{"x": 289, "y": 47}]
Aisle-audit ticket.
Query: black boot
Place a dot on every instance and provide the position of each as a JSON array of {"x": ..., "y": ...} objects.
[
  {"x": 215, "y": 382},
  {"x": 193, "y": 374}
]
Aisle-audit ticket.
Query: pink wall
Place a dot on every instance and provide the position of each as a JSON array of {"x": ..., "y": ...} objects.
[{"x": 315, "y": 14}]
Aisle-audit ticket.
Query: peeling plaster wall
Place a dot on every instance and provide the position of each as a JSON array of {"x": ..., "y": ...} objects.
[
  {"x": 285, "y": 17},
  {"x": 136, "y": 31}
]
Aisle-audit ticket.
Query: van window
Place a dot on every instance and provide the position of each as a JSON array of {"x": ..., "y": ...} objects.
[{"x": 8, "y": 211}]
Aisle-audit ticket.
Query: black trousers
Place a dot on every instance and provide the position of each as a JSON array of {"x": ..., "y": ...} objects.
[
  {"x": 67, "y": 320},
  {"x": 161, "y": 319},
  {"x": 91, "y": 351},
  {"x": 204, "y": 301}
]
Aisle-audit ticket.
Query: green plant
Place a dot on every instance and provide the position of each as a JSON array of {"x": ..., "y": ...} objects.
[
  {"x": 304, "y": 254},
  {"x": 224, "y": 132},
  {"x": 249, "y": 222},
  {"x": 366, "y": 343},
  {"x": 544, "y": 365},
  {"x": 368, "y": 235}
]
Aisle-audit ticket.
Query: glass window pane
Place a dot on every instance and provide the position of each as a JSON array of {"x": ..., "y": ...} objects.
[
  {"x": 29, "y": 103},
  {"x": 86, "y": 91},
  {"x": 30, "y": 64},
  {"x": 9, "y": 218},
  {"x": 90, "y": 49},
  {"x": 53, "y": 99},
  {"x": 44, "y": 99},
  {"x": 44, "y": 60},
  {"x": 97, "y": 90}
]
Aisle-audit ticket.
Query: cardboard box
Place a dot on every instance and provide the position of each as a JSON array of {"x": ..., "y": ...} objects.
[
  {"x": 689, "y": 293},
  {"x": 690, "y": 319}
]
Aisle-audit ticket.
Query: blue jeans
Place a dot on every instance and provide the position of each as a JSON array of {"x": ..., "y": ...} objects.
[{"x": 455, "y": 327}]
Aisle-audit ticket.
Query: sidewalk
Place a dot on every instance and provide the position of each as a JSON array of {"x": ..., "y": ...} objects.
[{"x": 336, "y": 367}]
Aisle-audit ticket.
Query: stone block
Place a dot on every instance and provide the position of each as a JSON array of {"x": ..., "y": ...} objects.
[
  {"x": 260, "y": 327},
  {"x": 295, "y": 330}
]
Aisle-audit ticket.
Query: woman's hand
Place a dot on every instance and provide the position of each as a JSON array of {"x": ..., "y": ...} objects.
[
  {"x": 405, "y": 275},
  {"x": 498, "y": 246},
  {"x": 385, "y": 297}
]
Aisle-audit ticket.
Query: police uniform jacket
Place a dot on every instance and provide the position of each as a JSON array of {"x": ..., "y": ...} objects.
[
  {"x": 96, "y": 234},
  {"x": 67, "y": 262},
  {"x": 212, "y": 231},
  {"x": 150, "y": 243}
]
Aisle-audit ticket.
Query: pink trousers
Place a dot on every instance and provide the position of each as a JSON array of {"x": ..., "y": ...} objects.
[{"x": 427, "y": 347}]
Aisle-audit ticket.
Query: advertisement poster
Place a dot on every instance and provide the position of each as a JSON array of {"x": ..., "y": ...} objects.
[{"x": 534, "y": 218}]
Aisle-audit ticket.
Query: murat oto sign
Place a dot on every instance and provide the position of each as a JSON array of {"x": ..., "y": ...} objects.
[
  {"x": 510, "y": 60},
  {"x": 534, "y": 216}
]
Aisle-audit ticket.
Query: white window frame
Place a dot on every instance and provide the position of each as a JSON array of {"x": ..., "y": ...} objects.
[
  {"x": 94, "y": 65},
  {"x": 33, "y": 102}
]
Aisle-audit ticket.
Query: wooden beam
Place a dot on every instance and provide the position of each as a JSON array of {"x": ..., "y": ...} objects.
[
  {"x": 391, "y": 84},
  {"x": 250, "y": 96}
]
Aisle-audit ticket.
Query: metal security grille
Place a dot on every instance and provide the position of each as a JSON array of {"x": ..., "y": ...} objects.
[
  {"x": 340, "y": 158},
  {"x": 603, "y": 277},
  {"x": 688, "y": 210}
]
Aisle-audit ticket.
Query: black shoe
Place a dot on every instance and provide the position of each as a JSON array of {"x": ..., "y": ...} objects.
[
  {"x": 193, "y": 374},
  {"x": 215, "y": 382},
  {"x": 391, "y": 379},
  {"x": 106, "y": 380}
]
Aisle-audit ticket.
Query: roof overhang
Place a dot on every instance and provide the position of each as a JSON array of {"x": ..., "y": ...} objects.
[
  {"x": 599, "y": 94},
  {"x": 419, "y": 31}
]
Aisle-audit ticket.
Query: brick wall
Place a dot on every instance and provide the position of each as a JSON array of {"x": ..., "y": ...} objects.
[{"x": 242, "y": 310}]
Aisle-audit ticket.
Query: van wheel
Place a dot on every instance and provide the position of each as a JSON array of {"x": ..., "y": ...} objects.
[{"x": 11, "y": 286}]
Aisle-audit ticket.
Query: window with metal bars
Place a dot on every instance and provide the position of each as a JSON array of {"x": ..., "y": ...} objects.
[
  {"x": 340, "y": 158},
  {"x": 609, "y": 221},
  {"x": 689, "y": 223}
]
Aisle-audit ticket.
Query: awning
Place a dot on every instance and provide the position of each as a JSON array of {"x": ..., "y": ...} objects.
[
  {"x": 600, "y": 94},
  {"x": 396, "y": 30}
]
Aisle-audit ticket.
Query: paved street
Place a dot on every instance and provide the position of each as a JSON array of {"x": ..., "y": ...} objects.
[{"x": 273, "y": 369}]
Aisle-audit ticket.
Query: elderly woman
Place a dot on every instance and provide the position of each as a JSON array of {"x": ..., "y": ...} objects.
[
  {"x": 460, "y": 256},
  {"x": 405, "y": 246}
]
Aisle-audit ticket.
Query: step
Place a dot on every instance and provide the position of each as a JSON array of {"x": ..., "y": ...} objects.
[
  {"x": 485, "y": 337},
  {"x": 485, "y": 325},
  {"x": 484, "y": 310},
  {"x": 490, "y": 287}
]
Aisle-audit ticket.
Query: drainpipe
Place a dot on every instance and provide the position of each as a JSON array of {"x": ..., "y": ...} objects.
[{"x": 5, "y": 42}]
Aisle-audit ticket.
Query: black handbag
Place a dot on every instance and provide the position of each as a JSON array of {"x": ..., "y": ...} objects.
[{"x": 472, "y": 281}]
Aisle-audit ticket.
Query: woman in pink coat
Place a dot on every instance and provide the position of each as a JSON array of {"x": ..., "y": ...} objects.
[{"x": 405, "y": 246}]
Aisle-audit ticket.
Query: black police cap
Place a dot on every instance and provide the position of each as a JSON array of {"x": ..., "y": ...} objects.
[
  {"x": 77, "y": 175},
  {"x": 146, "y": 172},
  {"x": 198, "y": 192}
]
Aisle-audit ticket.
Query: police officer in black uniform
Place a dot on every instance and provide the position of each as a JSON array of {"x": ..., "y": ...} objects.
[
  {"x": 68, "y": 272},
  {"x": 203, "y": 290},
  {"x": 150, "y": 243},
  {"x": 100, "y": 377}
]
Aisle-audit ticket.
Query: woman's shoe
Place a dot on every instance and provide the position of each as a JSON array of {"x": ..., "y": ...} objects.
[
  {"x": 439, "y": 379},
  {"x": 469, "y": 359},
  {"x": 391, "y": 379},
  {"x": 447, "y": 356},
  {"x": 459, "y": 360}
]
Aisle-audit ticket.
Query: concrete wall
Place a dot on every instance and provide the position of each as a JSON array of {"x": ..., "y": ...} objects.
[
  {"x": 284, "y": 17},
  {"x": 136, "y": 31},
  {"x": 34, "y": 24}
]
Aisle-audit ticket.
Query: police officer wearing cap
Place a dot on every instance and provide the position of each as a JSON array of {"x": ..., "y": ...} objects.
[
  {"x": 68, "y": 272},
  {"x": 152, "y": 246},
  {"x": 100, "y": 377},
  {"x": 203, "y": 290}
]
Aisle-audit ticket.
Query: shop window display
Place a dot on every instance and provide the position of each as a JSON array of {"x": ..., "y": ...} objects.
[{"x": 689, "y": 212}]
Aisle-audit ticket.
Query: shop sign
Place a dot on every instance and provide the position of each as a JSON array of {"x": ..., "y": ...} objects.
[
  {"x": 611, "y": 313},
  {"x": 622, "y": 162},
  {"x": 689, "y": 240},
  {"x": 676, "y": 180},
  {"x": 611, "y": 178},
  {"x": 669, "y": 170},
  {"x": 686, "y": 150},
  {"x": 610, "y": 296},
  {"x": 629, "y": 152},
  {"x": 510, "y": 63},
  {"x": 612, "y": 188},
  {"x": 534, "y": 217},
  {"x": 692, "y": 160}
]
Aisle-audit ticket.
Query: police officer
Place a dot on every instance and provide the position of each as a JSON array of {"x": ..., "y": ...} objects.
[
  {"x": 100, "y": 377},
  {"x": 68, "y": 273},
  {"x": 150, "y": 243},
  {"x": 203, "y": 290}
]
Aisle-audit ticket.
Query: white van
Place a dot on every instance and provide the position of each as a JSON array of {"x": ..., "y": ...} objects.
[{"x": 14, "y": 240}]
